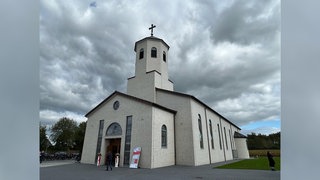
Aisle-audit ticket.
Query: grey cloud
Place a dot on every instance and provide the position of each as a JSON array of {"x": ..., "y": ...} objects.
[
  {"x": 90, "y": 51},
  {"x": 247, "y": 21},
  {"x": 82, "y": 56},
  {"x": 210, "y": 82}
]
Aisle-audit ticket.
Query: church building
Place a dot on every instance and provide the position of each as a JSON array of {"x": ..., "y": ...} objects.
[{"x": 172, "y": 128}]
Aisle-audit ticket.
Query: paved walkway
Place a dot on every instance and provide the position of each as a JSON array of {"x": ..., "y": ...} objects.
[
  {"x": 70, "y": 170},
  {"x": 56, "y": 163}
]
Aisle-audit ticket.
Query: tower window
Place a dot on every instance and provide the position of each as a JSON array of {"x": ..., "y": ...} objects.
[
  {"x": 164, "y": 56},
  {"x": 141, "y": 53},
  {"x": 153, "y": 52}
]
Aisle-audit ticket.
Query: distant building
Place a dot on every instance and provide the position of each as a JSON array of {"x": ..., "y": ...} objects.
[{"x": 171, "y": 128}]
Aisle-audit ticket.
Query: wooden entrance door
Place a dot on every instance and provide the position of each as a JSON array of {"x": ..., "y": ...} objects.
[{"x": 114, "y": 147}]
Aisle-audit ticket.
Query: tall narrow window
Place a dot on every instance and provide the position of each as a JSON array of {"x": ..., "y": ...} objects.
[
  {"x": 225, "y": 135},
  {"x": 230, "y": 138},
  {"x": 164, "y": 136},
  {"x": 164, "y": 56},
  {"x": 100, "y": 133},
  {"x": 141, "y": 53},
  {"x": 127, "y": 142},
  {"x": 210, "y": 126},
  {"x": 219, "y": 136},
  {"x": 153, "y": 52},
  {"x": 200, "y": 132}
]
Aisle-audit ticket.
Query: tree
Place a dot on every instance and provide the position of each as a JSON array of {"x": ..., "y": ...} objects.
[
  {"x": 79, "y": 136},
  {"x": 272, "y": 141},
  {"x": 63, "y": 133},
  {"x": 275, "y": 140},
  {"x": 44, "y": 141}
]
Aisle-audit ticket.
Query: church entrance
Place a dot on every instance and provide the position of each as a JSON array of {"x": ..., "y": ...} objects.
[{"x": 113, "y": 147}]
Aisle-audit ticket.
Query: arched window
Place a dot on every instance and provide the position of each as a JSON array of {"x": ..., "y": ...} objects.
[
  {"x": 114, "y": 130},
  {"x": 210, "y": 126},
  {"x": 153, "y": 52},
  {"x": 200, "y": 132},
  {"x": 141, "y": 53},
  {"x": 164, "y": 56},
  {"x": 163, "y": 136}
]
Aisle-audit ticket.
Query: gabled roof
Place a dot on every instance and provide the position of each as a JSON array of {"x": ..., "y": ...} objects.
[
  {"x": 194, "y": 98},
  {"x": 150, "y": 38},
  {"x": 132, "y": 98},
  {"x": 239, "y": 135}
]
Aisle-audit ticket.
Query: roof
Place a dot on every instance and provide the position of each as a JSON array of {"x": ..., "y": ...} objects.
[
  {"x": 150, "y": 38},
  {"x": 239, "y": 135},
  {"x": 194, "y": 98},
  {"x": 132, "y": 98}
]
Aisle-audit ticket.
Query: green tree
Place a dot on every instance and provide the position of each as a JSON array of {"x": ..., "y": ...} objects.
[
  {"x": 275, "y": 140},
  {"x": 63, "y": 134},
  {"x": 272, "y": 141},
  {"x": 44, "y": 141},
  {"x": 79, "y": 136}
]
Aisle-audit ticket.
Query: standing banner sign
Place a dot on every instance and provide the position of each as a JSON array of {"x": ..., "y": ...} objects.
[{"x": 135, "y": 157}]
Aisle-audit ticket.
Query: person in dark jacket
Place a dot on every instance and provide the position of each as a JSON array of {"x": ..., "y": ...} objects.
[
  {"x": 271, "y": 161},
  {"x": 109, "y": 160}
]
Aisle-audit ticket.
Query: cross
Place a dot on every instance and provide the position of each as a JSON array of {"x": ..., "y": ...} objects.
[{"x": 151, "y": 28}]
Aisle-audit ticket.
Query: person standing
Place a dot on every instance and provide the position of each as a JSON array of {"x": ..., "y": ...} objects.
[
  {"x": 271, "y": 161},
  {"x": 99, "y": 159},
  {"x": 109, "y": 160}
]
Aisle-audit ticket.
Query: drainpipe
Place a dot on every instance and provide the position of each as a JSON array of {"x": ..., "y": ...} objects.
[
  {"x": 205, "y": 113},
  {"x": 174, "y": 137}
]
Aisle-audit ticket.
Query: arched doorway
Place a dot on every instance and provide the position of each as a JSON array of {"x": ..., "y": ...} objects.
[{"x": 113, "y": 139}]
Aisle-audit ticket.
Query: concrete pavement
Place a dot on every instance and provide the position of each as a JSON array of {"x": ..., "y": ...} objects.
[
  {"x": 76, "y": 171},
  {"x": 56, "y": 163}
]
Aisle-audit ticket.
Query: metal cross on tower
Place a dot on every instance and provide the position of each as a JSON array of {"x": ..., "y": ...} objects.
[{"x": 151, "y": 28}]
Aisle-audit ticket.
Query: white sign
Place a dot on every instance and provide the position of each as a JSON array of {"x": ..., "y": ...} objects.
[{"x": 135, "y": 157}]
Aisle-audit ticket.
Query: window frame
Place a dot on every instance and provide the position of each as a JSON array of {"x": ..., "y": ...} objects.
[
  {"x": 225, "y": 135},
  {"x": 153, "y": 52},
  {"x": 220, "y": 142},
  {"x": 113, "y": 133},
  {"x": 211, "y": 134},
  {"x": 141, "y": 53},
  {"x": 200, "y": 132},
  {"x": 164, "y": 136}
]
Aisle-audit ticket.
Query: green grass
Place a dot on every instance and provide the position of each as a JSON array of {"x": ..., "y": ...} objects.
[{"x": 257, "y": 164}]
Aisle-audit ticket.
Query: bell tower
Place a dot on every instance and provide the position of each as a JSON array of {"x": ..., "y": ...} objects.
[{"x": 151, "y": 68}]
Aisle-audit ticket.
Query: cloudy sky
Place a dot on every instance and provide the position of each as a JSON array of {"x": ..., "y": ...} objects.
[{"x": 225, "y": 53}]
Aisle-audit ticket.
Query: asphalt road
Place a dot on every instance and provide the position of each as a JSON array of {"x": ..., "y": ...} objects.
[{"x": 70, "y": 170}]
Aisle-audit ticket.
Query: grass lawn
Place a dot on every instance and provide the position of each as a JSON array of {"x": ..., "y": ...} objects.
[{"x": 260, "y": 163}]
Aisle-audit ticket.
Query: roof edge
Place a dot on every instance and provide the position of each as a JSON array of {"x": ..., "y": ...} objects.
[
  {"x": 130, "y": 97},
  {"x": 150, "y": 38},
  {"x": 239, "y": 135},
  {"x": 194, "y": 98}
]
